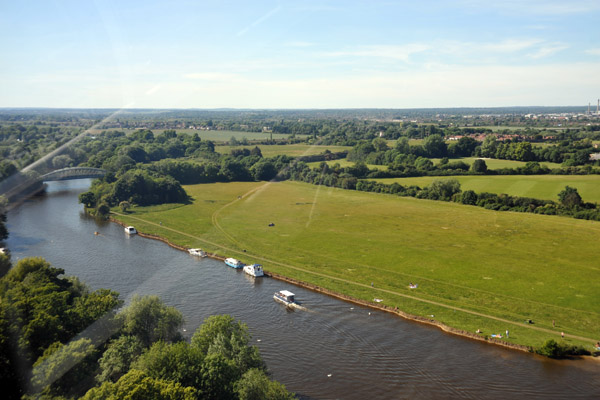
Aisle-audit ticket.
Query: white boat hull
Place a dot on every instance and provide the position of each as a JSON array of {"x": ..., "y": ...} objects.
[{"x": 254, "y": 270}]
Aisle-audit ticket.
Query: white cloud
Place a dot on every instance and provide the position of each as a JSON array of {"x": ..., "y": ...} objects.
[
  {"x": 593, "y": 52},
  {"x": 396, "y": 52},
  {"x": 536, "y": 7},
  {"x": 548, "y": 50},
  {"x": 299, "y": 44},
  {"x": 212, "y": 76},
  {"x": 440, "y": 86}
]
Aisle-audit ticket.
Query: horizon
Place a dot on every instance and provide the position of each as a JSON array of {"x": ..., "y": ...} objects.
[{"x": 279, "y": 55}]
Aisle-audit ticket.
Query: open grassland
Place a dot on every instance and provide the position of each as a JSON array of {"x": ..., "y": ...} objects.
[
  {"x": 345, "y": 163},
  {"x": 493, "y": 163},
  {"x": 476, "y": 269},
  {"x": 292, "y": 150},
  {"x": 537, "y": 186},
  {"x": 215, "y": 136}
]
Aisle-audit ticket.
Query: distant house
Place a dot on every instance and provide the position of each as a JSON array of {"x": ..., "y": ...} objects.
[{"x": 594, "y": 156}]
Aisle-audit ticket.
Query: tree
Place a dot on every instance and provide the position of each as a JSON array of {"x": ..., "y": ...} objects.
[
  {"x": 402, "y": 146},
  {"x": 479, "y": 166},
  {"x": 178, "y": 362},
  {"x": 136, "y": 385},
  {"x": 469, "y": 197},
  {"x": 435, "y": 146},
  {"x": 380, "y": 144},
  {"x": 263, "y": 171},
  {"x": 523, "y": 152},
  {"x": 224, "y": 335},
  {"x": 62, "y": 161},
  {"x": 255, "y": 385},
  {"x": 118, "y": 357},
  {"x": 124, "y": 205},
  {"x": 103, "y": 209},
  {"x": 443, "y": 189},
  {"x": 150, "y": 320},
  {"x": 489, "y": 146},
  {"x": 423, "y": 164},
  {"x": 233, "y": 141},
  {"x": 218, "y": 377},
  {"x": 88, "y": 199},
  {"x": 256, "y": 152},
  {"x": 569, "y": 197},
  {"x": 63, "y": 367}
]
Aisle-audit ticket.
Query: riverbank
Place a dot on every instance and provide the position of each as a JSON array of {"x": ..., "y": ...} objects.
[
  {"x": 341, "y": 296},
  {"x": 476, "y": 270}
]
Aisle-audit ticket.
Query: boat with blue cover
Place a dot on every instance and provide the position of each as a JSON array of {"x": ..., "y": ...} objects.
[{"x": 233, "y": 263}]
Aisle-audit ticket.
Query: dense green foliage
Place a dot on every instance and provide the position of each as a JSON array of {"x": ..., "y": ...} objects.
[
  {"x": 41, "y": 311},
  {"x": 44, "y": 355},
  {"x": 554, "y": 349}
]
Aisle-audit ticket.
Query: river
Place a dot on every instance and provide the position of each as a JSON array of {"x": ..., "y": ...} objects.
[{"x": 332, "y": 350}]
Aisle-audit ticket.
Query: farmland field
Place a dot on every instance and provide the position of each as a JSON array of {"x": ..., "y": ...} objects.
[
  {"x": 475, "y": 268},
  {"x": 293, "y": 150},
  {"x": 494, "y": 163},
  {"x": 215, "y": 136},
  {"x": 345, "y": 163},
  {"x": 537, "y": 186}
]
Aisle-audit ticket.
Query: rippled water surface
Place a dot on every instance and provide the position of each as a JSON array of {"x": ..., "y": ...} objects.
[{"x": 333, "y": 350}]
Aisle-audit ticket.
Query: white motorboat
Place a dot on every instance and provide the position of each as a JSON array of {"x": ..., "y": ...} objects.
[
  {"x": 285, "y": 297},
  {"x": 254, "y": 270},
  {"x": 197, "y": 252},
  {"x": 130, "y": 230}
]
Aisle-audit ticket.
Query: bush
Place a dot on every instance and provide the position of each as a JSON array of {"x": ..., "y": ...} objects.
[{"x": 551, "y": 348}]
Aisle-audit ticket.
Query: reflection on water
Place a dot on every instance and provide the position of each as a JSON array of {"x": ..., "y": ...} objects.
[{"x": 332, "y": 350}]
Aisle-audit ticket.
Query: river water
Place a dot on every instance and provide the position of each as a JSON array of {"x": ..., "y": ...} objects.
[{"x": 332, "y": 350}]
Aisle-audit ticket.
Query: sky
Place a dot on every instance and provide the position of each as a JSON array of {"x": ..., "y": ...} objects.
[{"x": 299, "y": 54}]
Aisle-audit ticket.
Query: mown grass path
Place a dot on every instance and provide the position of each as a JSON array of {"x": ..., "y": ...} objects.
[{"x": 215, "y": 222}]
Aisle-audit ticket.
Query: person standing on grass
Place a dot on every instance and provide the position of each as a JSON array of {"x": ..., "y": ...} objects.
[
  {"x": 562, "y": 335},
  {"x": 507, "y": 333}
]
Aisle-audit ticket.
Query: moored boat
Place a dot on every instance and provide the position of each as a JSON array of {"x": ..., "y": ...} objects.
[
  {"x": 130, "y": 230},
  {"x": 197, "y": 252},
  {"x": 254, "y": 270},
  {"x": 233, "y": 263},
  {"x": 285, "y": 297}
]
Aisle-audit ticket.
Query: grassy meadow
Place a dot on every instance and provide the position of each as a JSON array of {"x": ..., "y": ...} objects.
[
  {"x": 215, "y": 136},
  {"x": 345, "y": 163},
  {"x": 537, "y": 186},
  {"x": 493, "y": 163},
  {"x": 476, "y": 269},
  {"x": 292, "y": 150}
]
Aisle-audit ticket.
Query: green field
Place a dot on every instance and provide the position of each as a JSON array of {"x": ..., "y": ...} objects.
[
  {"x": 345, "y": 163},
  {"x": 293, "y": 150},
  {"x": 494, "y": 163},
  {"x": 537, "y": 186},
  {"x": 215, "y": 136},
  {"x": 476, "y": 269}
]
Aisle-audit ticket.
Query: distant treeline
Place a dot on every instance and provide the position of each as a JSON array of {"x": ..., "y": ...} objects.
[
  {"x": 376, "y": 151},
  {"x": 570, "y": 202}
]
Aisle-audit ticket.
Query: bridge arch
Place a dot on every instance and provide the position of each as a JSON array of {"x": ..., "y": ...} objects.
[{"x": 65, "y": 174}]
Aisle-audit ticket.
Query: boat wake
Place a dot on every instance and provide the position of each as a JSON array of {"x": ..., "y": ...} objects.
[{"x": 299, "y": 307}]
